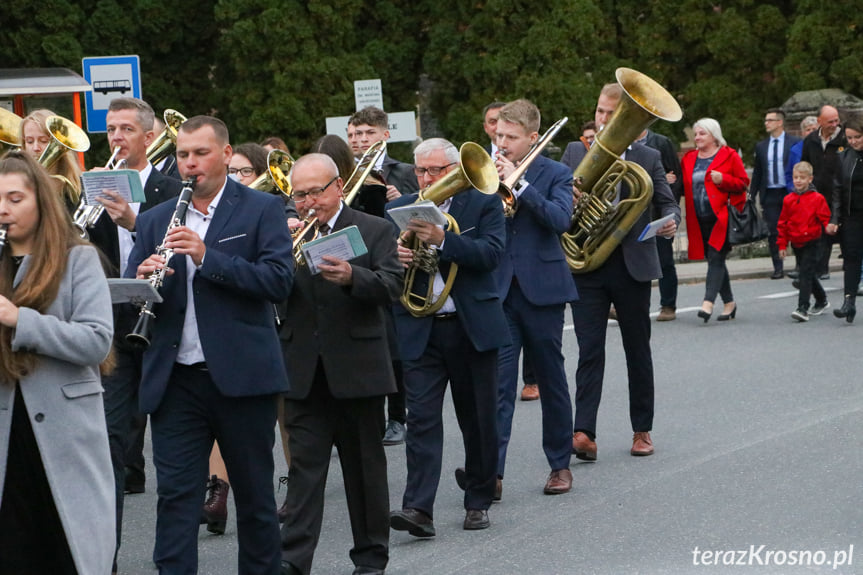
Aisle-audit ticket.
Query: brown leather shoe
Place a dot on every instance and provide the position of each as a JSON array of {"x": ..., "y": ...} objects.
[
  {"x": 475, "y": 519},
  {"x": 666, "y": 313},
  {"x": 530, "y": 392},
  {"x": 583, "y": 446},
  {"x": 641, "y": 443},
  {"x": 559, "y": 481},
  {"x": 215, "y": 510}
]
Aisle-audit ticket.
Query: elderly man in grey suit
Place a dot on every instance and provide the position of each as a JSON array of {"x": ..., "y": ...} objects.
[{"x": 623, "y": 280}]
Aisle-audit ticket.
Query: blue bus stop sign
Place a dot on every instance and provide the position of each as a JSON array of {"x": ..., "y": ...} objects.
[{"x": 111, "y": 77}]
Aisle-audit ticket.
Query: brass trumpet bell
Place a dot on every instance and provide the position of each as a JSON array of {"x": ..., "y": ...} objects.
[
  {"x": 10, "y": 127},
  {"x": 65, "y": 135},
  {"x": 165, "y": 142},
  {"x": 275, "y": 179},
  {"x": 477, "y": 170}
]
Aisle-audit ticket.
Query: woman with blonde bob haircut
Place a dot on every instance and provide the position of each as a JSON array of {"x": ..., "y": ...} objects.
[{"x": 56, "y": 482}]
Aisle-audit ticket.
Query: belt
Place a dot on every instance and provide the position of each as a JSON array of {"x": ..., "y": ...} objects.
[
  {"x": 449, "y": 315},
  {"x": 200, "y": 366}
]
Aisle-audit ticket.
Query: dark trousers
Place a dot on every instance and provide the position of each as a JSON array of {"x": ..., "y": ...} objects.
[
  {"x": 668, "y": 281},
  {"x": 121, "y": 407},
  {"x": 807, "y": 258},
  {"x": 135, "y": 464},
  {"x": 32, "y": 539},
  {"x": 450, "y": 357},
  {"x": 355, "y": 427},
  {"x": 611, "y": 283},
  {"x": 851, "y": 237},
  {"x": 396, "y": 401},
  {"x": 717, "y": 280},
  {"x": 539, "y": 329},
  {"x": 771, "y": 208},
  {"x": 192, "y": 414}
]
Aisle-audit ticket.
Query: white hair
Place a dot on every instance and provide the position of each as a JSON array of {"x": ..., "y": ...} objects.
[
  {"x": 426, "y": 147},
  {"x": 323, "y": 160},
  {"x": 711, "y": 126}
]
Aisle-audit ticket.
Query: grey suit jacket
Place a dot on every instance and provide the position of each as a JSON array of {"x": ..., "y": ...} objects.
[
  {"x": 63, "y": 395},
  {"x": 642, "y": 260}
]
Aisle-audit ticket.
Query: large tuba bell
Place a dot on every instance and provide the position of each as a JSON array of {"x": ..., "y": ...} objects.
[
  {"x": 598, "y": 223},
  {"x": 275, "y": 179},
  {"x": 65, "y": 136},
  {"x": 476, "y": 170},
  {"x": 10, "y": 128},
  {"x": 165, "y": 142}
]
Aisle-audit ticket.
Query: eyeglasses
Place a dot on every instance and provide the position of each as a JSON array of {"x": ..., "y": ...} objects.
[
  {"x": 420, "y": 172},
  {"x": 300, "y": 197},
  {"x": 245, "y": 172}
]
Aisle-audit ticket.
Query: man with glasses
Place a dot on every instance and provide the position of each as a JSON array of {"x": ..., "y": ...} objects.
[
  {"x": 769, "y": 177},
  {"x": 335, "y": 347},
  {"x": 458, "y": 344}
]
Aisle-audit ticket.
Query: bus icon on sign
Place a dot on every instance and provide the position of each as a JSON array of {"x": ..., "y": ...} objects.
[{"x": 105, "y": 86}]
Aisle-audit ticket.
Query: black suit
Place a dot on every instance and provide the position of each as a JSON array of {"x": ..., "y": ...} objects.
[
  {"x": 771, "y": 196},
  {"x": 335, "y": 348},
  {"x": 624, "y": 280},
  {"x": 400, "y": 175},
  {"x": 460, "y": 350},
  {"x": 125, "y": 424}
]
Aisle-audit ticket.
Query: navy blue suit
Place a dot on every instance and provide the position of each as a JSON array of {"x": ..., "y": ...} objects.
[
  {"x": 623, "y": 280},
  {"x": 535, "y": 283},
  {"x": 247, "y": 267},
  {"x": 461, "y": 350},
  {"x": 771, "y": 196}
]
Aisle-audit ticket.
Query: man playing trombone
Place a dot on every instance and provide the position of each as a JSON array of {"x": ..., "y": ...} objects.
[{"x": 456, "y": 344}]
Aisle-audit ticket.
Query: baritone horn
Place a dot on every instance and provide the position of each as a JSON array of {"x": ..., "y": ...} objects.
[
  {"x": 164, "y": 144},
  {"x": 599, "y": 223},
  {"x": 65, "y": 136},
  {"x": 10, "y": 128},
  {"x": 476, "y": 170},
  {"x": 275, "y": 179}
]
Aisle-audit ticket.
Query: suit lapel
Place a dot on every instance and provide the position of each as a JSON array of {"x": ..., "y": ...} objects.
[
  {"x": 22, "y": 271},
  {"x": 227, "y": 204}
]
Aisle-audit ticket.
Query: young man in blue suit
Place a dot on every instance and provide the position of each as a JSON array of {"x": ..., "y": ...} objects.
[
  {"x": 214, "y": 367},
  {"x": 534, "y": 283},
  {"x": 623, "y": 280},
  {"x": 457, "y": 344}
]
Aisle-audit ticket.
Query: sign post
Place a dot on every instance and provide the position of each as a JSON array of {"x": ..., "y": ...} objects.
[{"x": 111, "y": 77}]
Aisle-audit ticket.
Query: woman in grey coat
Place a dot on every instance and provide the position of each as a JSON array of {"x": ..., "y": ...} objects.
[{"x": 56, "y": 483}]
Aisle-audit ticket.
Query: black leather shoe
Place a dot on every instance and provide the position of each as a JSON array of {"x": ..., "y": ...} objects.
[
  {"x": 135, "y": 482},
  {"x": 363, "y": 570},
  {"x": 727, "y": 316},
  {"x": 848, "y": 310},
  {"x": 777, "y": 275},
  {"x": 413, "y": 521},
  {"x": 704, "y": 314},
  {"x": 289, "y": 569},
  {"x": 793, "y": 274},
  {"x": 475, "y": 519}
]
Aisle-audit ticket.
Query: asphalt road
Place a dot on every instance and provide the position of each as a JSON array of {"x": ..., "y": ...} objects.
[{"x": 755, "y": 464}]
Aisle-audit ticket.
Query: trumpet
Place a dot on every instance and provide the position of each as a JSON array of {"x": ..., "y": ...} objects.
[
  {"x": 505, "y": 189},
  {"x": 86, "y": 215},
  {"x": 3, "y": 229},
  {"x": 352, "y": 187},
  {"x": 140, "y": 336}
]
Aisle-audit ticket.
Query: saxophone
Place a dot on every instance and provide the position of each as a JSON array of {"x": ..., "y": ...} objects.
[{"x": 140, "y": 336}]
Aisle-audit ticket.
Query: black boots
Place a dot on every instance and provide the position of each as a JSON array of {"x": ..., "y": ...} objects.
[
  {"x": 848, "y": 310},
  {"x": 215, "y": 511}
]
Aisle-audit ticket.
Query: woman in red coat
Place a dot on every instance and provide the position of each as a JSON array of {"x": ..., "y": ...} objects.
[{"x": 713, "y": 176}]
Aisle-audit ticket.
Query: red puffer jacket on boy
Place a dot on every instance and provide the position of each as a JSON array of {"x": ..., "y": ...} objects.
[{"x": 802, "y": 219}]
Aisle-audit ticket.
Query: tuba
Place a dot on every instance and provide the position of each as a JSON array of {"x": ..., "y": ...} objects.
[
  {"x": 10, "y": 128},
  {"x": 275, "y": 179},
  {"x": 351, "y": 188},
  {"x": 505, "y": 189},
  {"x": 476, "y": 170},
  {"x": 164, "y": 143},
  {"x": 598, "y": 223}
]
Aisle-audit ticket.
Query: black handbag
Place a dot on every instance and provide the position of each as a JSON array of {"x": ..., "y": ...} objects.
[{"x": 746, "y": 226}]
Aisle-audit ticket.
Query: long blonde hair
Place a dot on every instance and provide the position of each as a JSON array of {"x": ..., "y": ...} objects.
[
  {"x": 67, "y": 165},
  {"x": 53, "y": 238}
]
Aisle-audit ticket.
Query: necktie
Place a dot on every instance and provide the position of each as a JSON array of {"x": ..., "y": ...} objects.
[
  {"x": 324, "y": 229},
  {"x": 775, "y": 163}
]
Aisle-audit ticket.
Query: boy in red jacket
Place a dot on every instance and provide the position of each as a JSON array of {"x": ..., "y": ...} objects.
[{"x": 804, "y": 214}]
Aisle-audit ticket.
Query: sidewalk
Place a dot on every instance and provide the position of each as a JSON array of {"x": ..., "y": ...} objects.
[{"x": 740, "y": 268}]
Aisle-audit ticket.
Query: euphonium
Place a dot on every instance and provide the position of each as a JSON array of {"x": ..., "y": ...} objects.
[
  {"x": 140, "y": 336},
  {"x": 598, "y": 223},
  {"x": 10, "y": 128},
  {"x": 476, "y": 170},
  {"x": 275, "y": 179},
  {"x": 165, "y": 142},
  {"x": 505, "y": 189},
  {"x": 351, "y": 188},
  {"x": 65, "y": 136}
]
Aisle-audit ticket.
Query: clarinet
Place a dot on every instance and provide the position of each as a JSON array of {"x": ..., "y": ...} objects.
[
  {"x": 3, "y": 230},
  {"x": 140, "y": 336}
]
